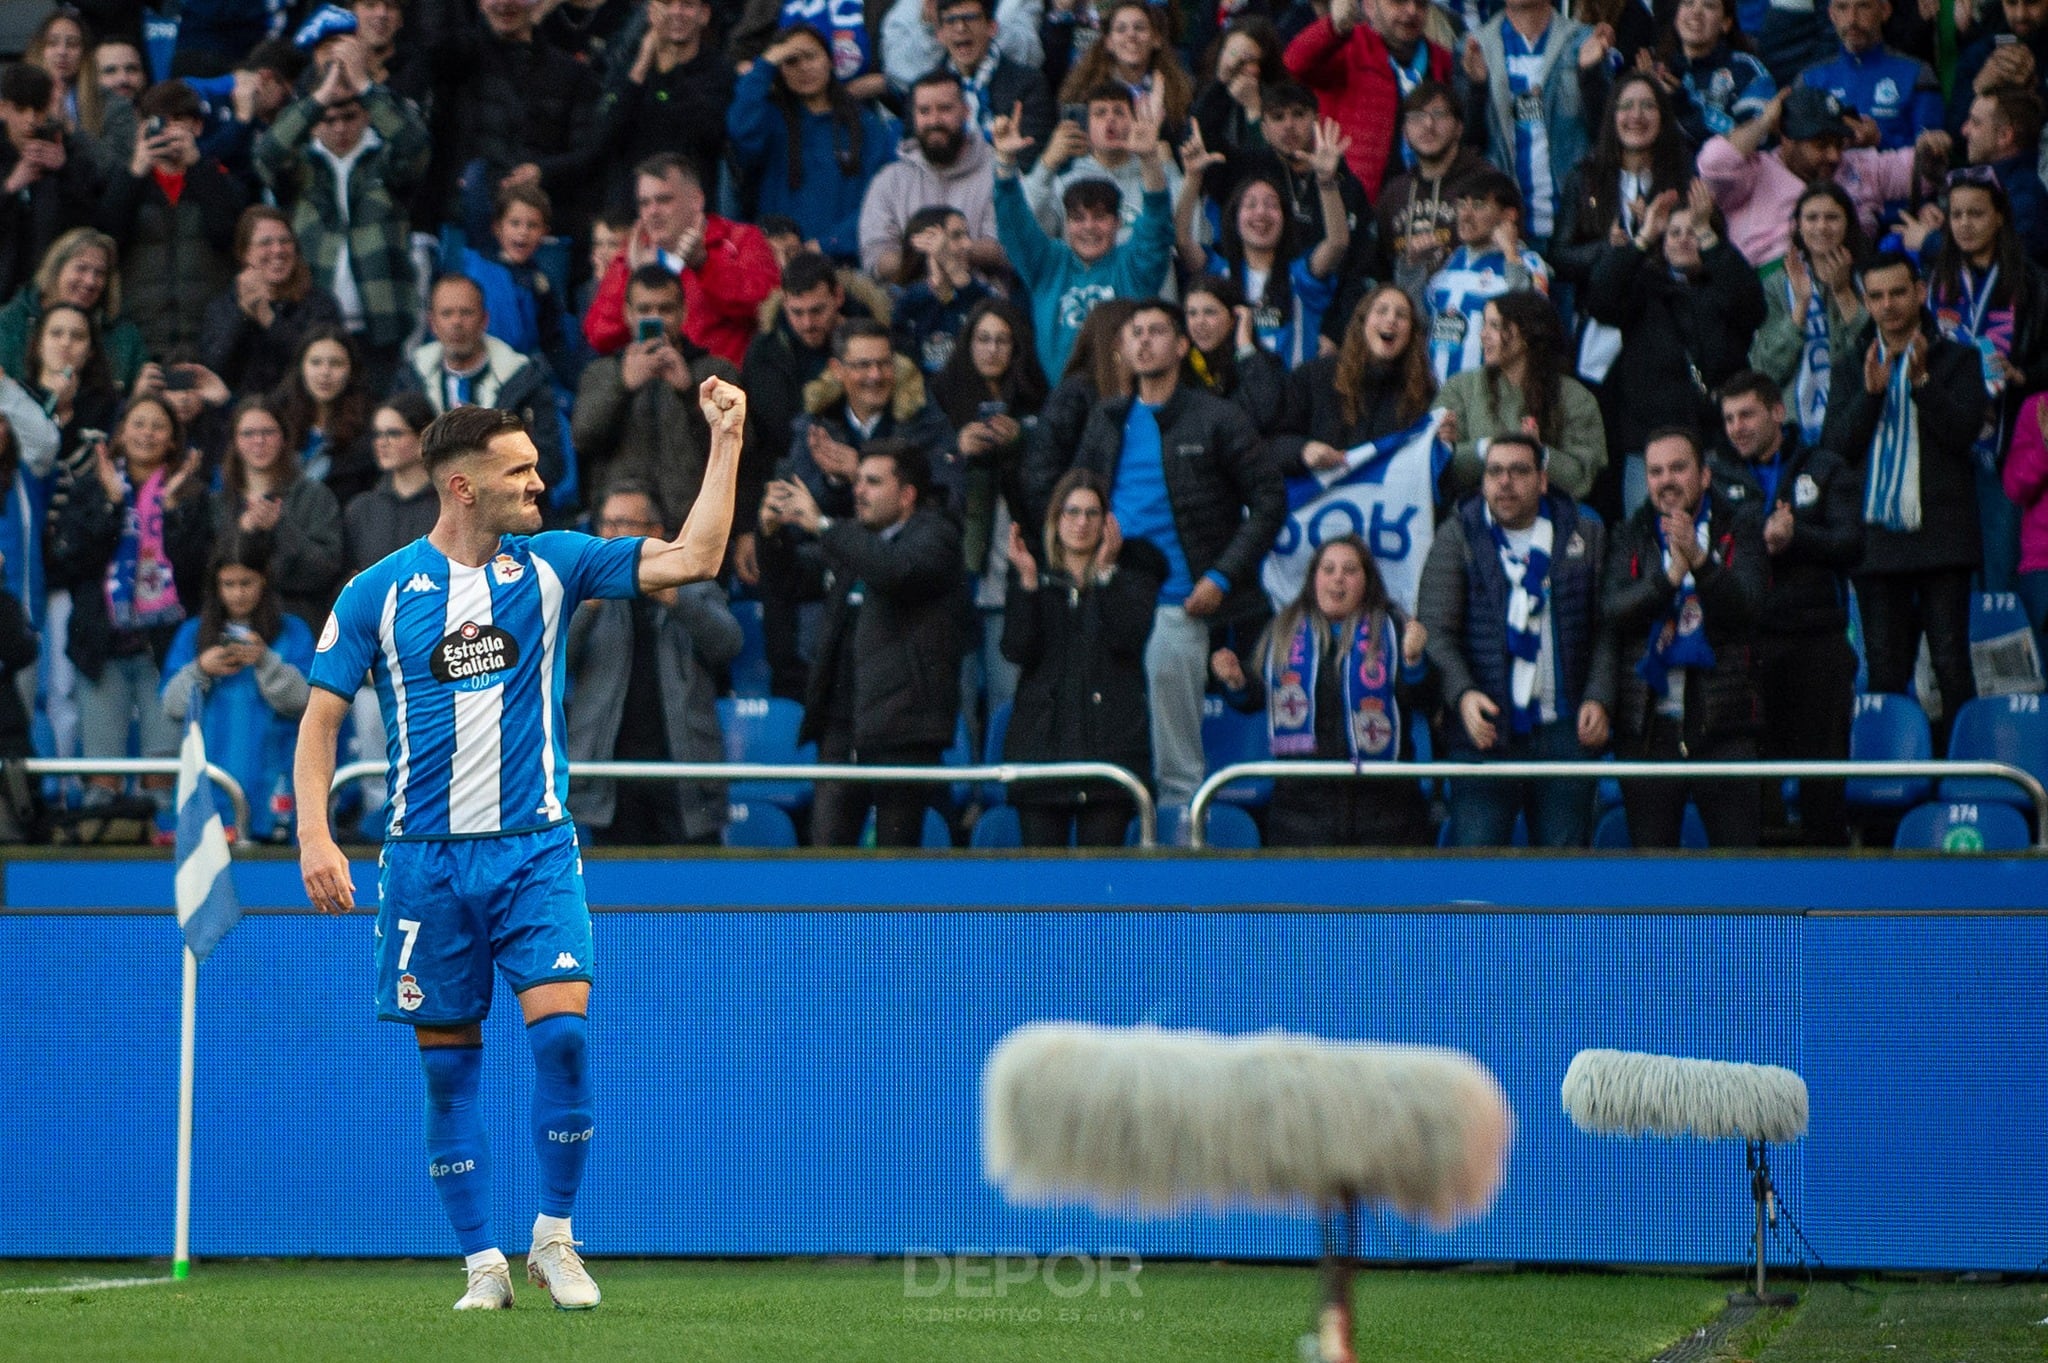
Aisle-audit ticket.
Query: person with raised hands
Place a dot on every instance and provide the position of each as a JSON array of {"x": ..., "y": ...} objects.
[{"x": 1068, "y": 277}]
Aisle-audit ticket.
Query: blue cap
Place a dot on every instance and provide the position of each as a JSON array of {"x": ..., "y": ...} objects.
[{"x": 327, "y": 22}]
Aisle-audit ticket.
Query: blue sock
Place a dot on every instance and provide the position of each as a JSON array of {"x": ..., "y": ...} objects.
[
  {"x": 561, "y": 1107},
  {"x": 457, "y": 1154}
]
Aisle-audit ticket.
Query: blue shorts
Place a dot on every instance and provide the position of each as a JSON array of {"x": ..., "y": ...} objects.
[{"x": 449, "y": 910}]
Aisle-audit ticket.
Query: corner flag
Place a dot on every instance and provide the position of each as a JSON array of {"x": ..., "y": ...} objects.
[{"x": 207, "y": 906}]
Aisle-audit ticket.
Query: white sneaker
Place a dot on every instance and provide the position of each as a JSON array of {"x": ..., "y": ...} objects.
[
  {"x": 490, "y": 1289},
  {"x": 554, "y": 1264}
]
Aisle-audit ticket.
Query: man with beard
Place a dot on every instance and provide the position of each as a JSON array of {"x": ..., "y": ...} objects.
[
  {"x": 991, "y": 82},
  {"x": 939, "y": 164}
]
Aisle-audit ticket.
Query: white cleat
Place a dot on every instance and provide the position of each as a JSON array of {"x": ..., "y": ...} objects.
[
  {"x": 490, "y": 1289},
  {"x": 554, "y": 1264}
]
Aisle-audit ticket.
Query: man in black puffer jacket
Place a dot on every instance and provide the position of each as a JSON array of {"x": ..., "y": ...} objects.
[
  {"x": 1187, "y": 472},
  {"x": 1684, "y": 620},
  {"x": 1518, "y": 525},
  {"x": 1813, "y": 535},
  {"x": 885, "y": 690}
]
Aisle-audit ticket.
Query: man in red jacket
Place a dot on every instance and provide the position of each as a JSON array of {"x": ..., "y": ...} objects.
[
  {"x": 1361, "y": 72},
  {"x": 727, "y": 268}
]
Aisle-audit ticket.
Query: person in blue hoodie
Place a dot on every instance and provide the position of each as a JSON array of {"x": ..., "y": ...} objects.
[
  {"x": 805, "y": 146},
  {"x": 1067, "y": 278},
  {"x": 240, "y": 667},
  {"x": 1898, "y": 93}
]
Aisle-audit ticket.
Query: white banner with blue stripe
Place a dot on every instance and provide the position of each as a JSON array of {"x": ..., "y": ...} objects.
[
  {"x": 207, "y": 906},
  {"x": 1384, "y": 492}
]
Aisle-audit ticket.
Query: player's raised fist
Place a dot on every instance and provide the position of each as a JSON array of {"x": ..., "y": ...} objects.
[{"x": 724, "y": 405}]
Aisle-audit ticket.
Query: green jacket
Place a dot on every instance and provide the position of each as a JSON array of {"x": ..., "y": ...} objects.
[
  {"x": 1576, "y": 456},
  {"x": 119, "y": 339},
  {"x": 373, "y": 221}
]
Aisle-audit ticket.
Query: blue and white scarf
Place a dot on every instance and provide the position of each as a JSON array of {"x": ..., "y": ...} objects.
[
  {"x": 1891, "y": 493},
  {"x": 1680, "y": 638},
  {"x": 1373, "y": 716},
  {"x": 1810, "y": 387},
  {"x": 1528, "y": 597}
]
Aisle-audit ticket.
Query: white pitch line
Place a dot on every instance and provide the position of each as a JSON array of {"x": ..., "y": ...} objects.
[{"x": 90, "y": 1285}]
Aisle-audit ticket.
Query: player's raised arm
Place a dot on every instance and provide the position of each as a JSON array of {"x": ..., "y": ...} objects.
[
  {"x": 322, "y": 863},
  {"x": 698, "y": 549}
]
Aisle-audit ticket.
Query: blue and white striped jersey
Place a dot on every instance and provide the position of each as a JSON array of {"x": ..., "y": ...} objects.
[{"x": 469, "y": 667}]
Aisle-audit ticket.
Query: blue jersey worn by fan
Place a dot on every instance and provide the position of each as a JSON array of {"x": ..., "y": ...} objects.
[{"x": 469, "y": 667}]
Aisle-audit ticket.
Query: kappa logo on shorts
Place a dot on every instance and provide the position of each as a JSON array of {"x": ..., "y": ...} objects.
[
  {"x": 410, "y": 995},
  {"x": 473, "y": 657},
  {"x": 565, "y": 961}
]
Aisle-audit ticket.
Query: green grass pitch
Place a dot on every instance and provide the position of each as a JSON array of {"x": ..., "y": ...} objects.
[{"x": 782, "y": 1311}]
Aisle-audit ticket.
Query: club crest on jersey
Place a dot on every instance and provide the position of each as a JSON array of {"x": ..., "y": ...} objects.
[
  {"x": 473, "y": 657},
  {"x": 506, "y": 568},
  {"x": 330, "y": 633}
]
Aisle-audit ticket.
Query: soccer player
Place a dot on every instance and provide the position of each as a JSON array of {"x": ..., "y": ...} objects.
[{"x": 462, "y": 632}]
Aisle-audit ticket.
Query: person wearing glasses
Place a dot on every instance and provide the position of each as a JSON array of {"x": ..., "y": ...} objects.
[
  {"x": 347, "y": 197},
  {"x": 993, "y": 81},
  {"x": 1418, "y": 210}
]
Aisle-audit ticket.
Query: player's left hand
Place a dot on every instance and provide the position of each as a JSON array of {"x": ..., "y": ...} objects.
[{"x": 324, "y": 867}]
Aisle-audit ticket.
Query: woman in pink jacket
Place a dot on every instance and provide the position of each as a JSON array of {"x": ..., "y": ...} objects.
[{"x": 2026, "y": 482}]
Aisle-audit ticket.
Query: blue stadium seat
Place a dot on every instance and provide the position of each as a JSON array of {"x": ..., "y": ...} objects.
[
  {"x": 937, "y": 833},
  {"x": 998, "y": 827},
  {"x": 1229, "y": 826},
  {"x": 1888, "y": 727},
  {"x": 1945, "y": 826},
  {"x": 763, "y": 729},
  {"x": 1230, "y": 735},
  {"x": 1611, "y": 833},
  {"x": 994, "y": 792},
  {"x": 758, "y": 824},
  {"x": 1998, "y": 729},
  {"x": 960, "y": 753},
  {"x": 750, "y": 668}
]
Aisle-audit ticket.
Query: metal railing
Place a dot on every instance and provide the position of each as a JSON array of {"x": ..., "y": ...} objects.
[
  {"x": 1006, "y": 773},
  {"x": 140, "y": 766},
  {"x": 1205, "y": 794}
]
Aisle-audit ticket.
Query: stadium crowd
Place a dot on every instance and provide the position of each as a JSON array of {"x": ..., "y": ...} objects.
[{"x": 1048, "y": 311}]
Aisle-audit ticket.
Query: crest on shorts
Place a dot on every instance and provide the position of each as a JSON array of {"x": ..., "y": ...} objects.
[{"x": 410, "y": 995}]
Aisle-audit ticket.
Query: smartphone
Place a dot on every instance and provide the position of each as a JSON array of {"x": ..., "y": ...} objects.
[
  {"x": 178, "y": 380},
  {"x": 2004, "y": 39},
  {"x": 1074, "y": 113},
  {"x": 238, "y": 634},
  {"x": 647, "y": 329},
  {"x": 49, "y": 130},
  {"x": 990, "y": 410},
  {"x": 154, "y": 127}
]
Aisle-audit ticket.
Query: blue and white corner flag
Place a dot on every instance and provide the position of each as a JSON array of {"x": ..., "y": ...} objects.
[
  {"x": 1384, "y": 492},
  {"x": 207, "y": 906}
]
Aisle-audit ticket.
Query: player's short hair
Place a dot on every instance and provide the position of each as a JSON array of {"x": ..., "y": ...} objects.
[{"x": 464, "y": 431}]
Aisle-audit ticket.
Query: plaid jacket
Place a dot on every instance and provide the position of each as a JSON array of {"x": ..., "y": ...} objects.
[{"x": 373, "y": 222}]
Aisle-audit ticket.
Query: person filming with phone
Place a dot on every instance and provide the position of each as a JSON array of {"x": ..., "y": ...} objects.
[
  {"x": 174, "y": 213},
  {"x": 45, "y": 190}
]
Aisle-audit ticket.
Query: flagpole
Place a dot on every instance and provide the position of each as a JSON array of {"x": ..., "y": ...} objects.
[{"x": 188, "y": 1026}]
